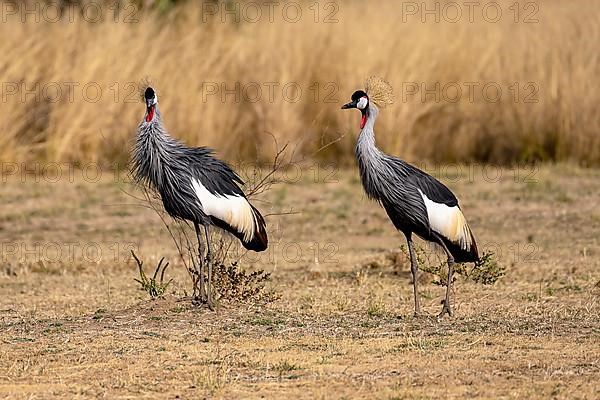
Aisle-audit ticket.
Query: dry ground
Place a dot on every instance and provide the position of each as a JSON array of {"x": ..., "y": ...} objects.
[{"x": 75, "y": 325}]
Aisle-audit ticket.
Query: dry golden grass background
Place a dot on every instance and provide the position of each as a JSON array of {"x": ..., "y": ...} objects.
[{"x": 180, "y": 53}]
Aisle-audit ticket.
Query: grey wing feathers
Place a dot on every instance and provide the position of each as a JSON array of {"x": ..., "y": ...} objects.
[
  {"x": 207, "y": 168},
  {"x": 431, "y": 187},
  {"x": 399, "y": 196}
]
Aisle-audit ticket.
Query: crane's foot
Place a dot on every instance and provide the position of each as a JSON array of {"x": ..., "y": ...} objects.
[
  {"x": 446, "y": 309},
  {"x": 210, "y": 304},
  {"x": 197, "y": 301},
  {"x": 418, "y": 313},
  {"x": 200, "y": 301}
]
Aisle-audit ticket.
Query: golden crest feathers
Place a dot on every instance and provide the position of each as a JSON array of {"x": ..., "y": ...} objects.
[
  {"x": 142, "y": 85},
  {"x": 380, "y": 91}
]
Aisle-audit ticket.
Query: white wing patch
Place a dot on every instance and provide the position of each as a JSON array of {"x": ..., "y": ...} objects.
[
  {"x": 448, "y": 222},
  {"x": 234, "y": 210}
]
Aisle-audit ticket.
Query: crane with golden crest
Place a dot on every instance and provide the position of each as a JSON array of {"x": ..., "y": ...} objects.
[{"x": 415, "y": 201}]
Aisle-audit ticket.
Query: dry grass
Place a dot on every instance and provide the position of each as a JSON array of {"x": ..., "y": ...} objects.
[
  {"x": 78, "y": 326},
  {"x": 180, "y": 52}
]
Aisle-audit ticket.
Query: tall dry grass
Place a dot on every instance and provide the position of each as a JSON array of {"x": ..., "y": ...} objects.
[{"x": 180, "y": 52}]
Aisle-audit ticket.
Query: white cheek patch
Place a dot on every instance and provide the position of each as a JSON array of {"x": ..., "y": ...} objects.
[{"x": 362, "y": 103}]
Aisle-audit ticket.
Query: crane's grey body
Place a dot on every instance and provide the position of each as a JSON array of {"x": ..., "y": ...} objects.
[
  {"x": 385, "y": 179},
  {"x": 168, "y": 166},
  {"x": 414, "y": 201},
  {"x": 401, "y": 187},
  {"x": 194, "y": 185}
]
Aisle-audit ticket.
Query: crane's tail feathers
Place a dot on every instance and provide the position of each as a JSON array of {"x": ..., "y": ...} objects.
[
  {"x": 260, "y": 240},
  {"x": 450, "y": 224},
  {"x": 474, "y": 250},
  {"x": 253, "y": 237},
  {"x": 461, "y": 253}
]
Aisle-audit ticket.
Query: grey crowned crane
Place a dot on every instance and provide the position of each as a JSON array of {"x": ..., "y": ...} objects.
[
  {"x": 194, "y": 186},
  {"x": 414, "y": 201}
]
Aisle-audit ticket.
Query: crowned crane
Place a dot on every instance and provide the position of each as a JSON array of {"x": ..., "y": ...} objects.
[
  {"x": 194, "y": 186},
  {"x": 414, "y": 201}
]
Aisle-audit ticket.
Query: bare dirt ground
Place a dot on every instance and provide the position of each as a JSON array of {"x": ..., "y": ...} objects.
[{"x": 74, "y": 323}]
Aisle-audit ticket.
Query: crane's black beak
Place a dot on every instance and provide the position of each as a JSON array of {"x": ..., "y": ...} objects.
[
  {"x": 149, "y": 103},
  {"x": 352, "y": 104}
]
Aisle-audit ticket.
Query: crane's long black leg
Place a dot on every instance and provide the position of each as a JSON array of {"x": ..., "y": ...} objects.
[
  {"x": 209, "y": 261},
  {"x": 414, "y": 267},
  {"x": 447, "y": 308},
  {"x": 197, "y": 227}
]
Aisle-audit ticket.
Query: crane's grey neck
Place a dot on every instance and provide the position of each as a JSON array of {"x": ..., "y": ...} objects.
[
  {"x": 371, "y": 165},
  {"x": 366, "y": 149},
  {"x": 154, "y": 127},
  {"x": 155, "y": 153},
  {"x": 154, "y": 135}
]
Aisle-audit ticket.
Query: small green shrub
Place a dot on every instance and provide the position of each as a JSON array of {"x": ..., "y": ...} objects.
[
  {"x": 155, "y": 288},
  {"x": 486, "y": 271}
]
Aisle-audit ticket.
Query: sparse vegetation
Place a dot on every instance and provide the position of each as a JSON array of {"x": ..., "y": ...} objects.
[
  {"x": 153, "y": 286},
  {"x": 486, "y": 271},
  {"x": 233, "y": 283},
  {"x": 285, "y": 366}
]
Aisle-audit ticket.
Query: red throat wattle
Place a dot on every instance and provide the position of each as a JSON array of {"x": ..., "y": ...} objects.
[
  {"x": 363, "y": 120},
  {"x": 150, "y": 114}
]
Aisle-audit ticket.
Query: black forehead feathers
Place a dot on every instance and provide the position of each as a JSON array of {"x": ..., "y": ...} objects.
[
  {"x": 149, "y": 93},
  {"x": 358, "y": 94}
]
